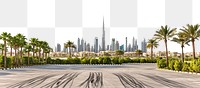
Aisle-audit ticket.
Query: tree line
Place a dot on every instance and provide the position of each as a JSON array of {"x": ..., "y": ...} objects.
[
  {"x": 22, "y": 46},
  {"x": 187, "y": 34}
]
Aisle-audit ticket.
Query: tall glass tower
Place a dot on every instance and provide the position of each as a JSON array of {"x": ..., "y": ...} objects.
[{"x": 103, "y": 37}]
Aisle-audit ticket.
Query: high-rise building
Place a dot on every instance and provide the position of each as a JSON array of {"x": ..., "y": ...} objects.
[
  {"x": 129, "y": 48},
  {"x": 84, "y": 46},
  {"x": 96, "y": 45},
  {"x": 143, "y": 46},
  {"x": 100, "y": 49},
  {"x": 117, "y": 45},
  {"x": 88, "y": 47},
  {"x": 113, "y": 44},
  {"x": 133, "y": 45},
  {"x": 82, "y": 43},
  {"x": 103, "y": 38},
  {"x": 122, "y": 47},
  {"x": 108, "y": 47},
  {"x": 126, "y": 44},
  {"x": 92, "y": 49},
  {"x": 78, "y": 45},
  {"x": 58, "y": 49}
]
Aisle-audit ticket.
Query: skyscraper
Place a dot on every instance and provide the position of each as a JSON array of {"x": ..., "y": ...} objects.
[
  {"x": 122, "y": 47},
  {"x": 88, "y": 47},
  {"x": 78, "y": 45},
  {"x": 103, "y": 38},
  {"x": 113, "y": 44},
  {"x": 82, "y": 43},
  {"x": 126, "y": 44},
  {"x": 143, "y": 46},
  {"x": 58, "y": 49},
  {"x": 96, "y": 45},
  {"x": 108, "y": 47},
  {"x": 117, "y": 45},
  {"x": 133, "y": 45}
]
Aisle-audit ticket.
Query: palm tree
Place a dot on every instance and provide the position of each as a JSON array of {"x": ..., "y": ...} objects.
[
  {"x": 33, "y": 42},
  {"x": 192, "y": 32},
  {"x": 22, "y": 43},
  {"x": 151, "y": 44},
  {"x": 10, "y": 43},
  {"x": 69, "y": 45},
  {"x": 183, "y": 40},
  {"x": 165, "y": 33},
  {"x": 16, "y": 46},
  {"x": 138, "y": 52},
  {"x": 28, "y": 49},
  {"x": 2, "y": 48},
  {"x": 4, "y": 37},
  {"x": 44, "y": 46}
]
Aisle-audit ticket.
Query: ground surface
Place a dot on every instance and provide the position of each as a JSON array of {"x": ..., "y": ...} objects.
[{"x": 96, "y": 76}]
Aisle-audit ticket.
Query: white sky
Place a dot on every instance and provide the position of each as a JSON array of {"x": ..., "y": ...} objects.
[{"x": 41, "y": 14}]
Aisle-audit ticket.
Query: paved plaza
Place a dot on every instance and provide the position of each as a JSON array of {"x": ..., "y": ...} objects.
[{"x": 96, "y": 76}]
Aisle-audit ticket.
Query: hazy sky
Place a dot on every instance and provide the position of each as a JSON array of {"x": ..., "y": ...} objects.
[{"x": 70, "y": 19}]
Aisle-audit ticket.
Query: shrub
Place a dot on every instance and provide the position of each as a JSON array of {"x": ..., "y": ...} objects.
[
  {"x": 127, "y": 60},
  {"x": 137, "y": 60},
  {"x": 186, "y": 67},
  {"x": 142, "y": 61},
  {"x": 85, "y": 61},
  {"x": 178, "y": 65},
  {"x": 196, "y": 66},
  {"x": 93, "y": 61},
  {"x": 161, "y": 63},
  {"x": 106, "y": 60},
  {"x": 101, "y": 60},
  {"x": 115, "y": 60},
  {"x": 121, "y": 60},
  {"x": 76, "y": 61},
  {"x": 171, "y": 64}
]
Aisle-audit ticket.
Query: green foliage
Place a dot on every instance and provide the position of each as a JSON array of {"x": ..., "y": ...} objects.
[
  {"x": 137, "y": 60},
  {"x": 101, "y": 60},
  {"x": 178, "y": 65},
  {"x": 171, "y": 64},
  {"x": 85, "y": 61},
  {"x": 127, "y": 60},
  {"x": 142, "y": 61},
  {"x": 186, "y": 67},
  {"x": 161, "y": 63},
  {"x": 119, "y": 52},
  {"x": 196, "y": 66},
  {"x": 115, "y": 60},
  {"x": 106, "y": 60},
  {"x": 94, "y": 61}
]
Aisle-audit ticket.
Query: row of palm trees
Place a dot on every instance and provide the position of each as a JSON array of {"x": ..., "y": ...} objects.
[
  {"x": 188, "y": 33},
  {"x": 20, "y": 45}
]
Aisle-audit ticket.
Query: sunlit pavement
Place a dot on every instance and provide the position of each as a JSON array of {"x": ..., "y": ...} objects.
[{"x": 96, "y": 76}]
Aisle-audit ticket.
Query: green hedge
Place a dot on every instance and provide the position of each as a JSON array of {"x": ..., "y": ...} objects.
[{"x": 178, "y": 65}]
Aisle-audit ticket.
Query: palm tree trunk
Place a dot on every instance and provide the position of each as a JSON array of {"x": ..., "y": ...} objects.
[
  {"x": 21, "y": 56},
  {"x": 193, "y": 47},
  {"x": 69, "y": 51},
  {"x": 166, "y": 52},
  {"x": 10, "y": 50},
  {"x": 15, "y": 57},
  {"x": 182, "y": 54},
  {"x": 39, "y": 54},
  {"x": 33, "y": 51},
  {"x": 5, "y": 55},
  {"x": 151, "y": 52},
  {"x": 2, "y": 52},
  {"x": 43, "y": 56},
  {"x": 28, "y": 58}
]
